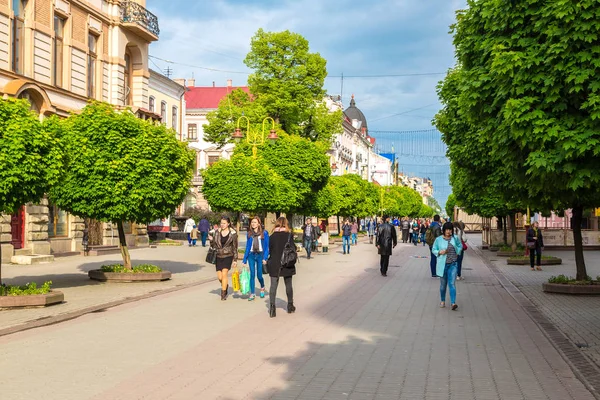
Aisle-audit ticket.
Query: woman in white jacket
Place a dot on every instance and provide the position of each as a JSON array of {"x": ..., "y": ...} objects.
[
  {"x": 188, "y": 228},
  {"x": 447, "y": 248}
]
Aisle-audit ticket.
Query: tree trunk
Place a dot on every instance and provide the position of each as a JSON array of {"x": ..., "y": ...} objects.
[
  {"x": 290, "y": 217},
  {"x": 504, "y": 231},
  {"x": 338, "y": 226},
  {"x": 277, "y": 214},
  {"x": 238, "y": 224},
  {"x": 577, "y": 238},
  {"x": 123, "y": 245},
  {"x": 513, "y": 231}
]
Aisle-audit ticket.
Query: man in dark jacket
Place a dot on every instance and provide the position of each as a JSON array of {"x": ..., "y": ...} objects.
[
  {"x": 204, "y": 227},
  {"x": 386, "y": 241},
  {"x": 405, "y": 225},
  {"x": 309, "y": 235},
  {"x": 434, "y": 230}
]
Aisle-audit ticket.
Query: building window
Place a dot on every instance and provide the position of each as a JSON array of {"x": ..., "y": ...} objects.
[
  {"x": 57, "y": 66},
  {"x": 190, "y": 201},
  {"x": 127, "y": 79},
  {"x": 163, "y": 111},
  {"x": 192, "y": 132},
  {"x": 151, "y": 104},
  {"x": 18, "y": 36},
  {"x": 212, "y": 160},
  {"x": 92, "y": 58},
  {"x": 174, "y": 118},
  {"x": 58, "y": 222}
]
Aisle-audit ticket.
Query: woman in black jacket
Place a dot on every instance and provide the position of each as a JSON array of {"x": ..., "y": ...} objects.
[
  {"x": 282, "y": 234},
  {"x": 535, "y": 244}
]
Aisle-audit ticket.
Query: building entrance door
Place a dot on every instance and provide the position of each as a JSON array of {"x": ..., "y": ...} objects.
[{"x": 17, "y": 228}]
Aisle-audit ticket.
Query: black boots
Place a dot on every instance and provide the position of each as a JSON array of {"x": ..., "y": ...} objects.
[
  {"x": 224, "y": 293},
  {"x": 272, "y": 313},
  {"x": 291, "y": 309}
]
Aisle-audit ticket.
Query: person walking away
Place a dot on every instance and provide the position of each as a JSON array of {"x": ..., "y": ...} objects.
[
  {"x": 386, "y": 241},
  {"x": 194, "y": 235},
  {"x": 225, "y": 241},
  {"x": 308, "y": 236},
  {"x": 447, "y": 248},
  {"x": 256, "y": 254},
  {"x": 281, "y": 235},
  {"x": 535, "y": 244},
  {"x": 354, "y": 233},
  {"x": 346, "y": 234},
  {"x": 410, "y": 231},
  {"x": 187, "y": 229},
  {"x": 405, "y": 228},
  {"x": 315, "y": 242},
  {"x": 204, "y": 227},
  {"x": 423, "y": 231},
  {"x": 433, "y": 232},
  {"x": 371, "y": 229}
]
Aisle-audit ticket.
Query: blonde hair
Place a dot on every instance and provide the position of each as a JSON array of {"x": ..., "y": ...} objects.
[{"x": 282, "y": 222}]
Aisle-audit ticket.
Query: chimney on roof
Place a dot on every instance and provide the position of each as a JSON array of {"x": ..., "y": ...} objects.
[
  {"x": 179, "y": 81},
  {"x": 229, "y": 83},
  {"x": 191, "y": 82}
]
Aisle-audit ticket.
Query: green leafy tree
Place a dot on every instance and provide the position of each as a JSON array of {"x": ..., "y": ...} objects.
[
  {"x": 529, "y": 84},
  {"x": 450, "y": 204},
  {"x": 120, "y": 168},
  {"x": 245, "y": 183},
  {"x": 402, "y": 201},
  {"x": 30, "y": 157}
]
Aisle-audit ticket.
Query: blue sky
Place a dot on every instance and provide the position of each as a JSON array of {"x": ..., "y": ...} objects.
[{"x": 380, "y": 37}]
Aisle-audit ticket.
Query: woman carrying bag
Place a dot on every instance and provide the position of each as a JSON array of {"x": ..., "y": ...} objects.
[
  {"x": 535, "y": 244},
  {"x": 447, "y": 248},
  {"x": 225, "y": 242},
  {"x": 257, "y": 253},
  {"x": 281, "y": 247}
]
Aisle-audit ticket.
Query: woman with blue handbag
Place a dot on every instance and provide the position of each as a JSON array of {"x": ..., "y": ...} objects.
[
  {"x": 447, "y": 248},
  {"x": 256, "y": 254}
]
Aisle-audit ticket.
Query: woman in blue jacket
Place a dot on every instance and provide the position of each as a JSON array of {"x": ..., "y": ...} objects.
[
  {"x": 256, "y": 254},
  {"x": 447, "y": 248}
]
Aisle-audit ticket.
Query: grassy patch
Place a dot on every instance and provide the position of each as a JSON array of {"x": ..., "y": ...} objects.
[
  {"x": 520, "y": 247},
  {"x": 527, "y": 258},
  {"x": 569, "y": 280},
  {"x": 28, "y": 289},
  {"x": 138, "y": 269}
]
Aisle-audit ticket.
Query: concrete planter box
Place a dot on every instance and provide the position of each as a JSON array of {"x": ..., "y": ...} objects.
[
  {"x": 98, "y": 275},
  {"x": 494, "y": 249},
  {"x": 563, "y": 288},
  {"x": 38, "y": 300},
  {"x": 501, "y": 253},
  {"x": 545, "y": 261}
]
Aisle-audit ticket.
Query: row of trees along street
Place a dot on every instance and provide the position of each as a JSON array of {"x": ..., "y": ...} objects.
[
  {"x": 102, "y": 163},
  {"x": 293, "y": 175},
  {"x": 521, "y": 110}
]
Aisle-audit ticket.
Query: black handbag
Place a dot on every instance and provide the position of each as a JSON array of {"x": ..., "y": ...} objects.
[
  {"x": 211, "y": 256},
  {"x": 289, "y": 255}
]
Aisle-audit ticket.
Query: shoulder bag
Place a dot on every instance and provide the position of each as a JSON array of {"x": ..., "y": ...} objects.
[
  {"x": 289, "y": 255},
  {"x": 211, "y": 256}
]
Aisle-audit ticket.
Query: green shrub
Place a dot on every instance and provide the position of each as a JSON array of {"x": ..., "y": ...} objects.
[
  {"x": 563, "y": 279},
  {"x": 527, "y": 258},
  {"x": 520, "y": 247},
  {"x": 138, "y": 269},
  {"x": 28, "y": 289}
]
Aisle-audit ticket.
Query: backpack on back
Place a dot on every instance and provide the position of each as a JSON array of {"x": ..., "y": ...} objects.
[
  {"x": 432, "y": 234},
  {"x": 289, "y": 255}
]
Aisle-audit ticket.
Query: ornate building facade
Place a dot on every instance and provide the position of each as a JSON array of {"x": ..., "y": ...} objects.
[{"x": 59, "y": 54}]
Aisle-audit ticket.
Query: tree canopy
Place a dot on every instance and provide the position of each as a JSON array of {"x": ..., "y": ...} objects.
[
  {"x": 121, "y": 168},
  {"x": 527, "y": 91},
  {"x": 30, "y": 158}
]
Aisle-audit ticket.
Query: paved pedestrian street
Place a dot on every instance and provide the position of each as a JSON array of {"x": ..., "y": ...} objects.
[{"x": 355, "y": 335}]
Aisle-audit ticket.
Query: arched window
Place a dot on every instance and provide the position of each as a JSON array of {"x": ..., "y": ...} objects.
[
  {"x": 163, "y": 111},
  {"x": 190, "y": 201},
  {"x": 127, "y": 95},
  {"x": 151, "y": 103}
]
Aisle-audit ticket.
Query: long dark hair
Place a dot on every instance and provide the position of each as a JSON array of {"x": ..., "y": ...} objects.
[{"x": 260, "y": 228}]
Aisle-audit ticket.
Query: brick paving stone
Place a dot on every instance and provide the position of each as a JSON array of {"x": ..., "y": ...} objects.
[{"x": 356, "y": 335}]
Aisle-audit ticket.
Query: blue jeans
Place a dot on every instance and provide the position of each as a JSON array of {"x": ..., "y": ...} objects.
[
  {"x": 432, "y": 263},
  {"x": 449, "y": 279},
  {"x": 194, "y": 242},
  {"x": 354, "y": 238},
  {"x": 459, "y": 262},
  {"x": 308, "y": 246},
  {"x": 423, "y": 239},
  {"x": 346, "y": 244},
  {"x": 255, "y": 263},
  {"x": 415, "y": 238},
  {"x": 203, "y": 236},
  {"x": 189, "y": 237}
]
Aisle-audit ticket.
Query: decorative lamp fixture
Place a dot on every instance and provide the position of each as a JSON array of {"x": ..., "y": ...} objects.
[
  {"x": 238, "y": 135},
  {"x": 272, "y": 136},
  {"x": 334, "y": 167}
]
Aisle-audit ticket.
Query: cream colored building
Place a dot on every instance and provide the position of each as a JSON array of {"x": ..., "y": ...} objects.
[{"x": 58, "y": 54}]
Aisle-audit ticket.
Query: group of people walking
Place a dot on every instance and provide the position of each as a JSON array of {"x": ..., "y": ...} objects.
[{"x": 263, "y": 254}]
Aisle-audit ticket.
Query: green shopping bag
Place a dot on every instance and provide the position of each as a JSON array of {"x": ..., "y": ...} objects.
[{"x": 245, "y": 281}]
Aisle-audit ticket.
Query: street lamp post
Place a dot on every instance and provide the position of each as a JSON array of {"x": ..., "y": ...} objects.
[{"x": 255, "y": 138}]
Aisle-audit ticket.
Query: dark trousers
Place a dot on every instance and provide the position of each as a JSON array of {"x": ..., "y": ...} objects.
[
  {"x": 203, "y": 236},
  {"x": 460, "y": 261},
  {"x": 535, "y": 255},
  {"x": 384, "y": 263},
  {"x": 289, "y": 290},
  {"x": 433, "y": 263},
  {"x": 404, "y": 235}
]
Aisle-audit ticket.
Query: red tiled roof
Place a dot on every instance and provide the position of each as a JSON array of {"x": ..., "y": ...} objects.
[{"x": 208, "y": 97}]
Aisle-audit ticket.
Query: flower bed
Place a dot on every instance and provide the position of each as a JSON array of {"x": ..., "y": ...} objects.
[
  {"x": 568, "y": 285},
  {"x": 166, "y": 242},
  {"x": 524, "y": 260},
  {"x": 29, "y": 295},
  {"x": 139, "y": 273}
]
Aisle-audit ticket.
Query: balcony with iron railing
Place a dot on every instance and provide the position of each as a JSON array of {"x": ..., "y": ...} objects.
[{"x": 139, "y": 20}]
